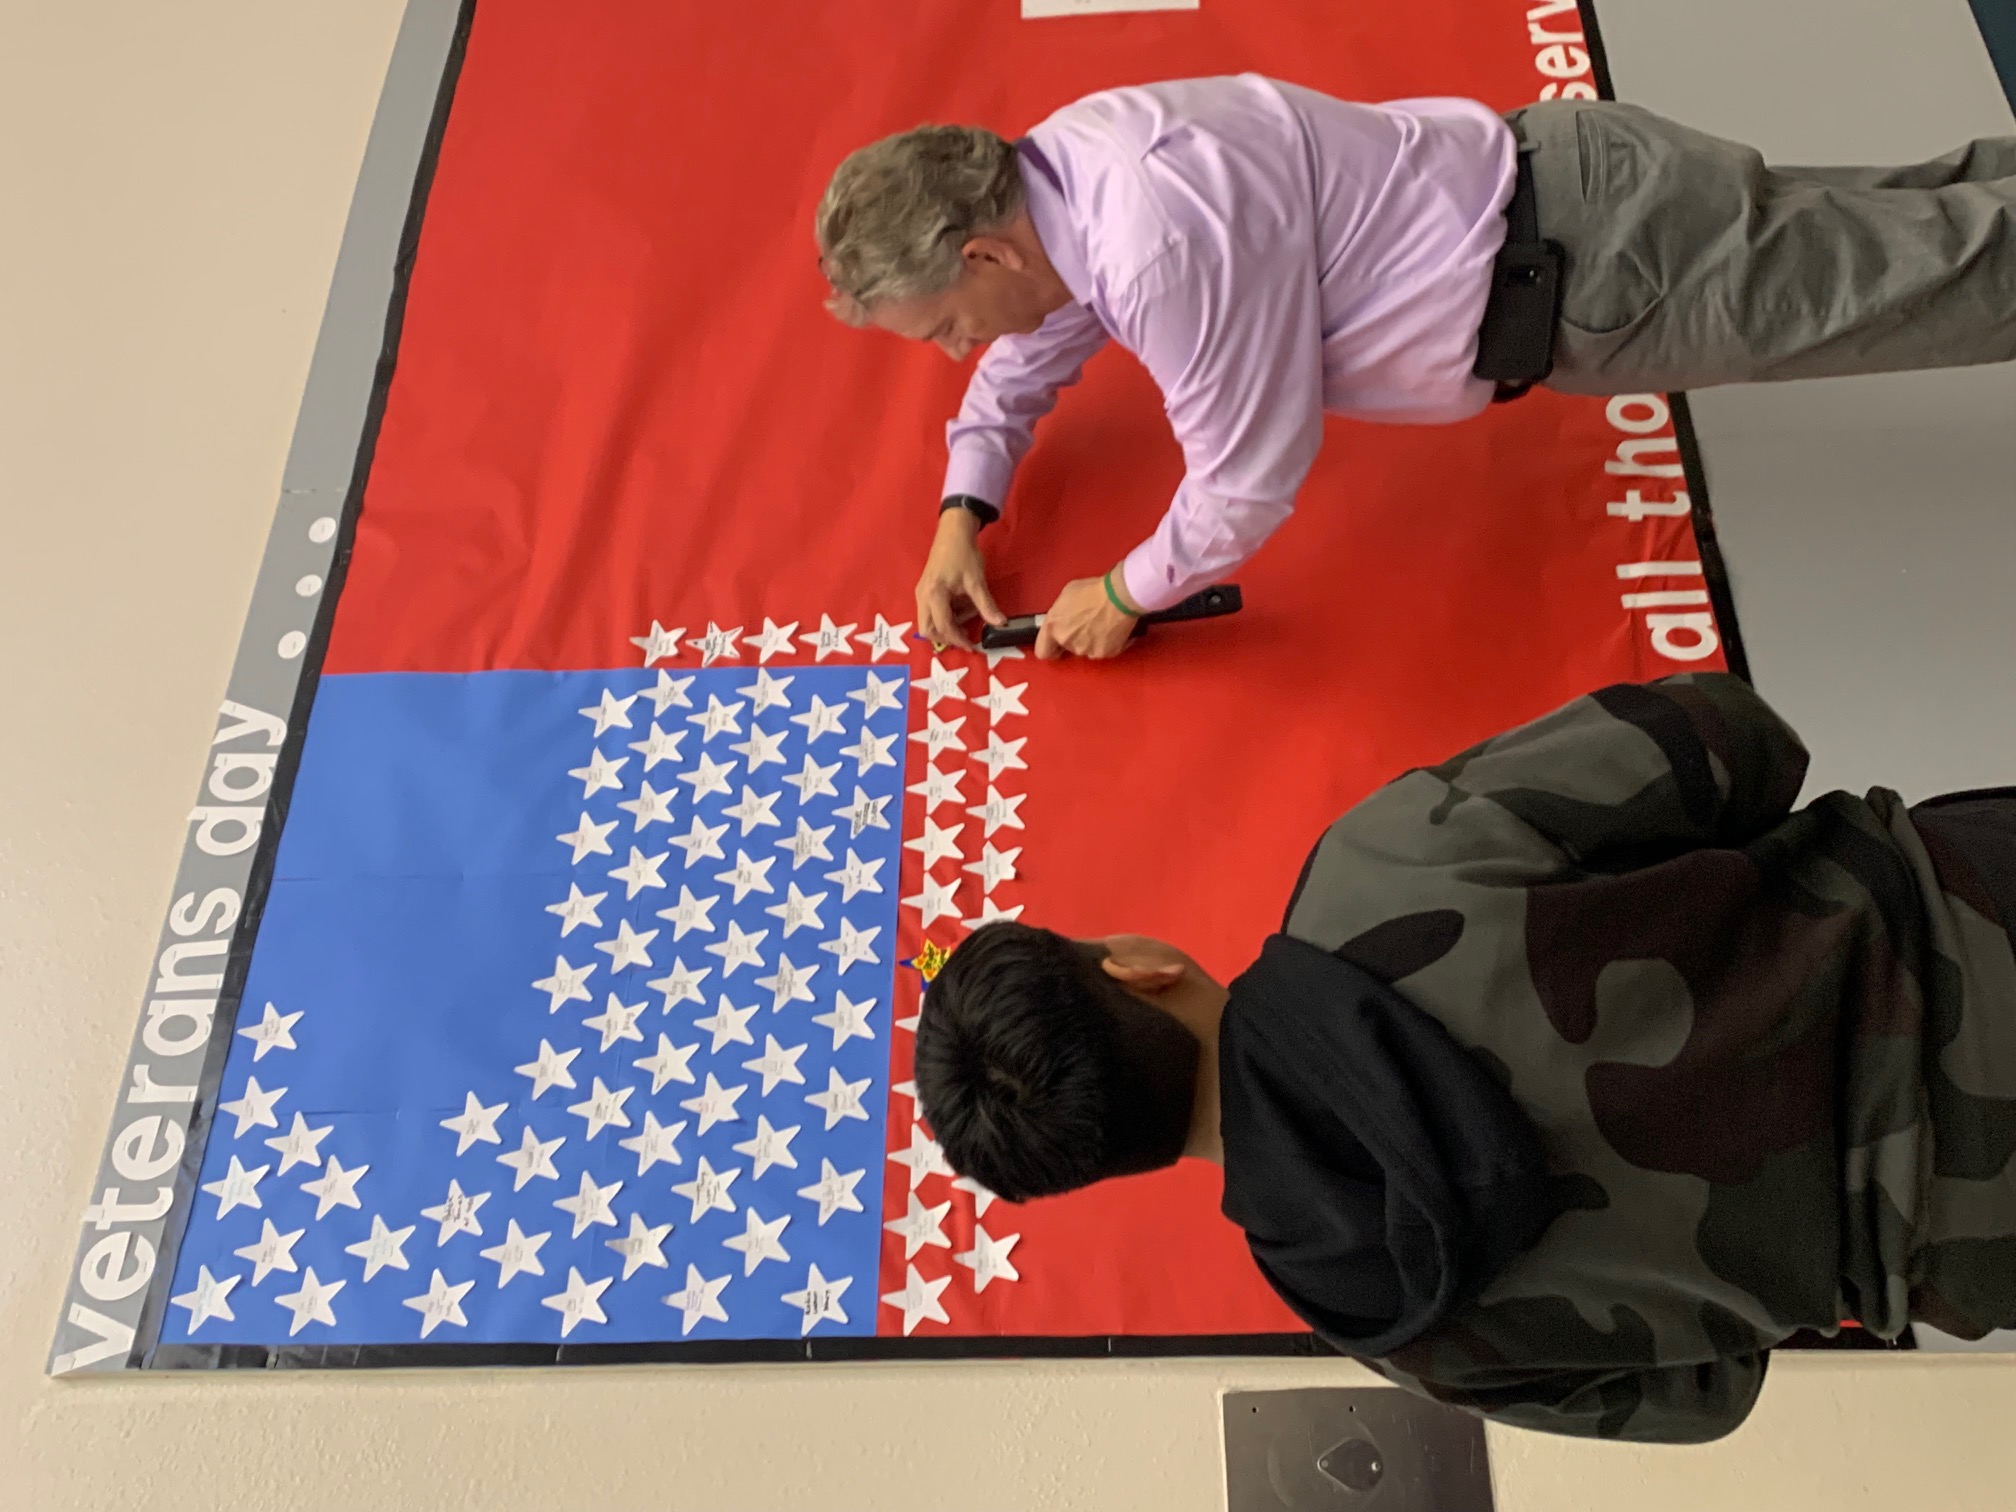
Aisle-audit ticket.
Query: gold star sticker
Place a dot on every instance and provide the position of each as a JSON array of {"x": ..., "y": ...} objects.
[{"x": 931, "y": 960}]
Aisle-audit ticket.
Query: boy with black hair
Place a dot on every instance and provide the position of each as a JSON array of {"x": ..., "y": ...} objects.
[{"x": 1584, "y": 1070}]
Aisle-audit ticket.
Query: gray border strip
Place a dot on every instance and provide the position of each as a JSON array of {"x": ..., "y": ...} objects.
[{"x": 146, "y": 1177}]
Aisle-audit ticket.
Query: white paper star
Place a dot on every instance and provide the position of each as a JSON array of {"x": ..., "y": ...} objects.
[
  {"x": 939, "y": 735},
  {"x": 1002, "y": 699},
  {"x": 716, "y": 644},
  {"x": 580, "y": 1303},
  {"x": 702, "y": 842},
  {"x": 807, "y": 843},
  {"x": 919, "y": 1300},
  {"x": 814, "y": 781},
  {"x": 727, "y": 1023},
  {"x": 610, "y": 711},
  {"x": 936, "y": 843},
  {"x": 754, "y": 809},
  {"x": 829, "y": 639},
  {"x": 938, "y": 787},
  {"x": 758, "y": 1240},
  {"x": 708, "y": 776},
  {"x": 819, "y": 1301},
  {"x": 681, "y": 984},
  {"x": 747, "y": 875},
  {"x": 691, "y": 914},
  {"x": 833, "y": 1191},
  {"x": 659, "y": 745},
  {"x": 629, "y": 948},
  {"x": 876, "y": 694},
  {"x": 775, "y": 1064},
  {"x": 1006, "y": 653},
  {"x": 864, "y": 813},
  {"x": 789, "y": 983},
  {"x": 533, "y": 1157},
  {"x": 773, "y": 640},
  {"x": 616, "y": 1021},
  {"x": 655, "y": 1142},
  {"x": 549, "y": 1070},
  {"x": 272, "y": 1032},
  {"x": 869, "y": 751},
  {"x": 992, "y": 912},
  {"x": 670, "y": 1063},
  {"x": 841, "y": 1099},
  {"x": 649, "y": 806},
  {"x": 910, "y": 1023},
  {"x": 885, "y": 639},
  {"x": 566, "y": 983},
  {"x": 590, "y": 1205},
  {"x": 943, "y": 683},
  {"x": 853, "y": 946},
  {"x": 310, "y": 1304},
  {"x": 519, "y": 1253},
  {"x": 923, "y": 1158},
  {"x": 998, "y": 811},
  {"x": 456, "y": 1213},
  {"x": 603, "y": 1107},
  {"x": 768, "y": 1147},
  {"x": 767, "y": 692},
  {"x": 600, "y": 773},
  {"x": 821, "y": 719},
  {"x": 587, "y": 838},
  {"x": 920, "y": 1226},
  {"x": 335, "y": 1187},
  {"x": 994, "y": 866},
  {"x": 579, "y": 909},
  {"x": 717, "y": 718},
  {"x": 660, "y": 643},
  {"x": 273, "y": 1250},
  {"x": 848, "y": 1020},
  {"x": 475, "y": 1122},
  {"x": 988, "y": 1259},
  {"x": 639, "y": 872},
  {"x": 440, "y": 1303},
  {"x": 708, "y": 1190},
  {"x": 909, "y": 1089},
  {"x": 700, "y": 1299},
  {"x": 797, "y": 910},
  {"x": 856, "y": 876},
  {"x": 1000, "y": 756},
  {"x": 935, "y": 902},
  {"x": 983, "y": 1198},
  {"x": 205, "y": 1300},
  {"x": 739, "y": 949},
  {"x": 385, "y": 1247},
  {"x": 643, "y": 1245},
  {"x": 715, "y": 1104},
  {"x": 670, "y": 692},
  {"x": 253, "y": 1109},
  {"x": 762, "y": 748}
]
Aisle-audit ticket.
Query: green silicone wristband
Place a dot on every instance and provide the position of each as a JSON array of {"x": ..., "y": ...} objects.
[{"x": 1114, "y": 598}]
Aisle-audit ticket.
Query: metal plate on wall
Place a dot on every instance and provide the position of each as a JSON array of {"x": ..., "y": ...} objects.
[{"x": 1373, "y": 1449}]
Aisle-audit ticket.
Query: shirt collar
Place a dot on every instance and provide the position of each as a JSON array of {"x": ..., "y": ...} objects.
[{"x": 1043, "y": 192}]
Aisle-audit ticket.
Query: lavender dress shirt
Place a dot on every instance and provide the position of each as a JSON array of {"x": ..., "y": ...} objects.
[{"x": 1268, "y": 253}]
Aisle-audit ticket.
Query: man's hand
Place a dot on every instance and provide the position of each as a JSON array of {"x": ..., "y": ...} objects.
[
  {"x": 1083, "y": 622},
  {"x": 954, "y": 586}
]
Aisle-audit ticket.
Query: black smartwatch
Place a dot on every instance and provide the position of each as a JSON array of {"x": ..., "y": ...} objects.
[{"x": 980, "y": 509}]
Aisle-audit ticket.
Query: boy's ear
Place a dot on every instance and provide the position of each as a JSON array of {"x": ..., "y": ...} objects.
[{"x": 1143, "y": 966}]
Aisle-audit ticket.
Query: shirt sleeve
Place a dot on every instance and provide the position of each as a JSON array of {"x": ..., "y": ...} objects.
[
  {"x": 1013, "y": 386},
  {"x": 1693, "y": 760},
  {"x": 1231, "y": 329}
]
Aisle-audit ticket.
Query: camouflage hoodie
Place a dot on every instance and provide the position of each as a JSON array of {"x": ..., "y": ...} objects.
[{"x": 1770, "y": 1055}]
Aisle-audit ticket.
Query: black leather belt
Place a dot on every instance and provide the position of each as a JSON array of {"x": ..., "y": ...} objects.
[{"x": 1515, "y": 343}]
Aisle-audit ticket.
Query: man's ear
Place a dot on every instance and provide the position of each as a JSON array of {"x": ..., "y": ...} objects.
[
  {"x": 994, "y": 249},
  {"x": 1141, "y": 969}
]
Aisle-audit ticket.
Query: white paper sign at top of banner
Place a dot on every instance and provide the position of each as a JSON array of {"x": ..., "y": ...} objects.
[{"x": 1037, "y": 10}]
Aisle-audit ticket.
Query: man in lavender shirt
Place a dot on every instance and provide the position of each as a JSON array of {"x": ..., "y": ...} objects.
[{"x": 1271, "y": 254}]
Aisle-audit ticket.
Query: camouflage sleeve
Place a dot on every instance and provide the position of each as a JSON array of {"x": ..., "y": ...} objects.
[
  {"x": 1693, "y": 760},
  {"x": 1671, "y": 1404}
]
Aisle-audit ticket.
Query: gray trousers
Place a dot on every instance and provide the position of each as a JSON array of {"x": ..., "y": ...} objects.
[{"x": 1691, "y": 262}]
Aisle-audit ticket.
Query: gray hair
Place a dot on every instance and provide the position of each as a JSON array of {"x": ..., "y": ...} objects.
[{"x": 893, "y": 219}]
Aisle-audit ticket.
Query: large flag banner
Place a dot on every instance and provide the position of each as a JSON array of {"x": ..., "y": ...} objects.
[{"x": 599, "y": 871}]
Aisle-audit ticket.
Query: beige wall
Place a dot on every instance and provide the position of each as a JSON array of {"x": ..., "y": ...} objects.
[{"x": 175, "y": 179}]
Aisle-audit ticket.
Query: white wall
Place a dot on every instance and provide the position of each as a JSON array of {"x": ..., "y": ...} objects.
[{"x": 175, "y": 183}]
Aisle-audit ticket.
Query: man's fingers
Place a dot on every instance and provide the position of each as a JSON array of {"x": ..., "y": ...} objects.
[
  {"x": 1048, "y": 648},
  {"x": 983, "y": 600}
]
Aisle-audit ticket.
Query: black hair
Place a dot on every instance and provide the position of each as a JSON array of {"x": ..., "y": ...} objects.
[{"x": 1038, "y": 1073}]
